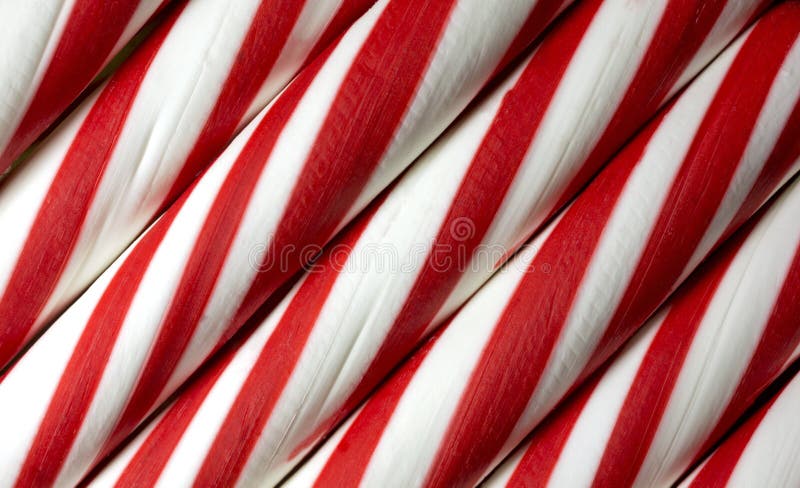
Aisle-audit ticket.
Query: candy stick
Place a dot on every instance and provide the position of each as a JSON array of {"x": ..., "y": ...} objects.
[
  {"x": 686, "y": 376},
  {"x": 138, "y": 142},
  {"x": 304, "y": 167},
  {"x": 570, "y": 298},
  {"x": 49, "y": 52},
  {"x": 309, "y": 365},
  {"x": 762, "y": 452}
]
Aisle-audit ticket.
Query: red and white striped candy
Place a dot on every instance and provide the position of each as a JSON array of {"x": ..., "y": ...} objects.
[
  {"x": 49, "y": 52},
  {"x": 339, "y": 133},
  {"x": 560, "y": 308},
  {"x": 686, "y": 377},
  {"x": 126, "y": 152},
  {"x": 411, "y": 261},
  {"x": 762, "y": 452}
]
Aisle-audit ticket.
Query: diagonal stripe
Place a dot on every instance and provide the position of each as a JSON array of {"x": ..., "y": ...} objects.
[
  {"x": 207, "y": 258},
  {"x": 83, "y": 373},
  {"x": 480, "y": 195},
  {"x": 539, "y": 460},
  {"x": 731, "y": 117},
  {"x": 650, "y": 392},
  {"x": 73, "y": 65},
  {"x": 482, "y": 430},
  {"x": 256, "y": 400},
  {"x": 679, "y": 46},
  {"x": 348, "y": 462},
  {"x": 533, "y": 27},
  {"x": 265, "y": 39},
  {"x": 146, "y": 466},
  {"x": 785, "y": 155},
  {"x": 719, "y": 468},
  {"x": 348, "y": 12},
  {"x": 148, "y": 463},
  {"x": 401, "y": 46},
  {"x": 58, "y": 222},
  {"x": 778, "y": 341}
]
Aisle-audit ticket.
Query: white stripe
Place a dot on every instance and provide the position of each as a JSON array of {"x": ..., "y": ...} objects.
[
  {"x": 621, "y": 244},
  {"x": 609, "y": 54},
  {"x": 132, "y": 346},
  {"x": 595, "y": 81},
  {"x": 174, "y": 101},
  {"x": 770, "y": 458},
  {"x": 321, "y": 379},
  {"x": 403, "y": 224},
  {"x": 474, "y": 126},
  {"x": 725, "y": 342},
  {"x": 457, "y": 352},
  {"x": 308, "y": 29},
  {"x": 362, "y": 304},
  {"x": 189, "y": 455},
  {"x": 112, "y": 471},
  {"x": 186, "y": 459},
  {"x": 311, "y": 469},
  {"x": 144, "y": 11},
  {"x": 142, "y": 323},
  {"x": 171, "y": 106},
  {"x": 730, "y": 22},
  {"x": 781, "y": 99},
  {"x": 24, "y": 407},
  {"x": 24, "y": 191},
  {"x": 581, "y": 455},
  {"x": 168, "y": 113},
  {"x": 331, "y": 344},
  {"x": 417, "y": 436},
  {"x": 30, "y": 33},
  {"x": 473, "y": 41},
  {"x": 267, "y": 205}
]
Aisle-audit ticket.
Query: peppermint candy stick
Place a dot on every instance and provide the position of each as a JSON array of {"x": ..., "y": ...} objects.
[
  {"x": 423, "y": 251},
  {"x": 49, "y": 52},
  {"x": 303, "y": 168},
  {"x": 126, "y": 152},
  {"x": 685, "y": 377},
  {"x": 762, "y": 452},
  {"x": 581, "y": 288}
]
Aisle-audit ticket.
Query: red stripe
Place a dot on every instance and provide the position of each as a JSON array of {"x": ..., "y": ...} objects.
[
  {"x": 151, "y": 457},
  {"x": 683, "y": 28},
  {"x": 717, "y": 471},
  {"x": 537, "y": 464},
  {"x": 651, "y": 390},
  {"x": 316, "y": 190},
  {"x": 401, "y": 46},
  {"x": 207, "y": 258},
  {"x": 538, "y": 19},
  {"x": 58, "y": 223},
  {"x": 779, "y": 340},
  {"x": 349, "y": 11},
  {"x": 79, "y": 382},
  {"x": 245, "y": 421},
  {"x": 702, "y": 181},
  {"x": 269, "y": 30},
  {"x": 759, "y": 11},
  {"x": 527, "y": 331},
  {"x": 784, "y": 157},
  {"x": 480, "y": 195},
  {"x": 349, "y": 460},
  {"x": 93, "y": 29}
]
